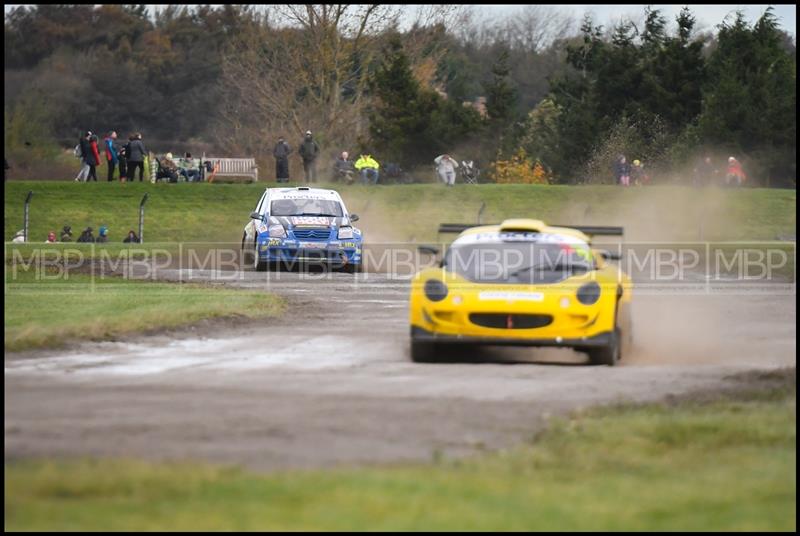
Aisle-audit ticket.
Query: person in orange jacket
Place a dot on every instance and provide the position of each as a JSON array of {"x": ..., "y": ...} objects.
[{"x": 735, "y": 172}]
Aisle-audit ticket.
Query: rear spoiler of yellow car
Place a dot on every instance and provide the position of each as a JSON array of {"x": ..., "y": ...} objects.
[{"x": 591, "y": 230}]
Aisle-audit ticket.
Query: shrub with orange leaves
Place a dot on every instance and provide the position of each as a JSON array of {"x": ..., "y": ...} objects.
[{"x": 520, "y": 170}]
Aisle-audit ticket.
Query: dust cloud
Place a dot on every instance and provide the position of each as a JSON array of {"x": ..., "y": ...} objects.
[{"x": 692, "y": 327}]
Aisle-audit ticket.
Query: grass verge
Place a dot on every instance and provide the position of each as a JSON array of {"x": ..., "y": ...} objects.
[
  {"x": 722, "y": 464},
  {"x": 218, "y": 212},
  {"x": 52, "y": 312}
]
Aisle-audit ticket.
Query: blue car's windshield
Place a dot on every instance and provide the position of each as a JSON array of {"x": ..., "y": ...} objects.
[{"x": 306, "y": 207}]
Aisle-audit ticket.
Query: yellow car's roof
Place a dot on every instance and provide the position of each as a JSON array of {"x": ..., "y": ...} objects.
[{"x": 524, "y": 225}]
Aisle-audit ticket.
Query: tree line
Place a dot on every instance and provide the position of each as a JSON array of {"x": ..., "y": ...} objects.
[{"x": 568, "y": 96}]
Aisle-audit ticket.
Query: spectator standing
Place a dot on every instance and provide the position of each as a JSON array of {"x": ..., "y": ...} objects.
[
  {"x": 309, "y": 150},
  {"x": 735, "y": 173},
  {"x": 369, "y": 169},
  {"x": 82, "y": 151},
  {"x": 51, "y": 238},
  {"x": 66, "y": 234},
  {"x": 622, "y": 171},
  {"x": 123, "y": 163},
  {"x": 112, "y": 157},
  {"x": 704, "y": 172},
  {"x": 19, "y": 236},
  {"x": 281, "y": 153},
  {"x": 94, "y": 158},
  {"x": 135, "y": 154},
  {"x": 638, "y": 174},
  {"x": 446, "y": 168}
]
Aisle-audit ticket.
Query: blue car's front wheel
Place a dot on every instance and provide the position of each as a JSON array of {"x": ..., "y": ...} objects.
[
  {"x": 258, "y": 264},
  {"x": 352, "y": 268}
]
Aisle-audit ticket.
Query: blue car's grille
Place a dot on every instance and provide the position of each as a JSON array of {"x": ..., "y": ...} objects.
[{"x": 319, "y": 234}]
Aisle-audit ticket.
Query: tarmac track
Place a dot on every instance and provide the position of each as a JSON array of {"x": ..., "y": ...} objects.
[{"x": 331, "y": 383}]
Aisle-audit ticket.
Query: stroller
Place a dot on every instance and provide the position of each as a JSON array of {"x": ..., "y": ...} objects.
[{"x": 469, "y": 172}]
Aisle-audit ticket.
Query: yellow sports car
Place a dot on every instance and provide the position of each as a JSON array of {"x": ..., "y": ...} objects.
[{"x": 522, "y": 283}]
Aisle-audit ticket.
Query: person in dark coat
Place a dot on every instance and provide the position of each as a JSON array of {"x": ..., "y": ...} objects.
[
  {"x": 66, "y": 234},
  {"x": 86, "y": 236},
  {"x": 622, "y": 171},
  {"x": 131, "y": 238},
  {"x": 343, "y": 168},
  {"x": 309, "y": 150},
  {"x": 135, "y": 156},
  {"x": 85, "y": 149},
  {"x": 281, "y": 153},
  {"x": 123, "y": 163}
]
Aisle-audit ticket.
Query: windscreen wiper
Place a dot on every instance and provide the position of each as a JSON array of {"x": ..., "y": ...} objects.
[{"x": 316, "y": 214}]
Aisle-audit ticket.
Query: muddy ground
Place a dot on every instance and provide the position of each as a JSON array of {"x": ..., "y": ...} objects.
[{"x": 331, "y": 383}]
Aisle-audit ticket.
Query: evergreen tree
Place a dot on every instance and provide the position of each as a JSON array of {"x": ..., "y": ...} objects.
[
  {"x": 750, "y": 97},
  {"x": 673, "y": 73},
  {"x": 501, "y": 98},
  {"x": 410, "y": 124}
]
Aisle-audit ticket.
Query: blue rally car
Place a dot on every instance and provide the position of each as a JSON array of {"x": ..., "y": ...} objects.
[{"x": 300, "y": 226}]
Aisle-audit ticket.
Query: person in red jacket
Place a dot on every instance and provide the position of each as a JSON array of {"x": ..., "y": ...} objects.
[
  {"x": 735, "y": 172},
  {"x": 93, "y": 160}
]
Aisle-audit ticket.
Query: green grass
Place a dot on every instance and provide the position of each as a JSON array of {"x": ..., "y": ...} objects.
[
  {"x": 51, "y": 311},
  {"x": 722, "y": 465},
  {"x": 218, "y": 212}
]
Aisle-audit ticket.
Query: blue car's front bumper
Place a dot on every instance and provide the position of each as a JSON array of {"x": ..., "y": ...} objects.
[{"x": 334, "y": 252}]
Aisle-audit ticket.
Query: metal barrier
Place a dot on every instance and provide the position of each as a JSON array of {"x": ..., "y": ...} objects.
[
  {"x": 141, "y": 218},
  {"x": 25, "y": 223}
]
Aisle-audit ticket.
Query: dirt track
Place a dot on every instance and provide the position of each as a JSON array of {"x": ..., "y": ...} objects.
[{"x": 330, "y": 382}]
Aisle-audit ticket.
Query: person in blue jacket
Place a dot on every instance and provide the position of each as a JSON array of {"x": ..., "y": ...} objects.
[{"x": 111, "y": 154}]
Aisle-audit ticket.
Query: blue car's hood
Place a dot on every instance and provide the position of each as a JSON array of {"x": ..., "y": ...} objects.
[{"x": 311, "y": 221}]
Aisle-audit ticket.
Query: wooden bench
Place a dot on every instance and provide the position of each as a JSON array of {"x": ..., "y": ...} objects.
[{"x": 231, "y": 167}]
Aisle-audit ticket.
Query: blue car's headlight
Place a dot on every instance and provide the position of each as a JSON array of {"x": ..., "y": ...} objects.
[
  {"x": 277, "y": 231},
  {"x": 345, "y": 233}
]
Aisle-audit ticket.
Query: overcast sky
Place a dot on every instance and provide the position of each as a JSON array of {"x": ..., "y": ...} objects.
[{"x": 708, "y": 15}]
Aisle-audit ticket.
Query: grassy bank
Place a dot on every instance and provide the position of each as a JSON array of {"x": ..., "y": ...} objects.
[
  {"x": 51, "y": 312},
  {"x": 218, "y": 212},
  {"x": 706, "y": 465}
]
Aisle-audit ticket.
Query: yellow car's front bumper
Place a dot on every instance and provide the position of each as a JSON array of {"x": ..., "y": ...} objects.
[
  {"x": 457, "y": 310},
  {"x": 597, "y": 340},
  {"x": 548, "y": 321}
]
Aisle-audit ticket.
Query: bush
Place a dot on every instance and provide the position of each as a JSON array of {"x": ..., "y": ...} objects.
[
  {"x": 644, "y": 139},
  {"x": 520, "y": 170}
]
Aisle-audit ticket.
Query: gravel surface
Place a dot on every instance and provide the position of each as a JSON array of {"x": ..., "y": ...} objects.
[{"x": 331, "y": 383}]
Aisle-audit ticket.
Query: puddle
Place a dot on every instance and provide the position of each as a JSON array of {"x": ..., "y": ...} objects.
[{"x": 236, "y": 354}]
